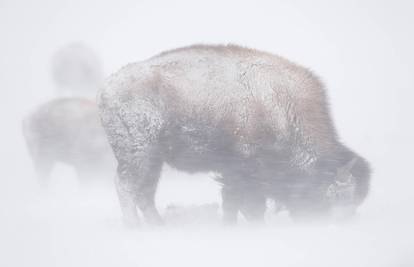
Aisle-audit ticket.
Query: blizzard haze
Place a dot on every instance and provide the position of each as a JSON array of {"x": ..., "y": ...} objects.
[{"x": 362, "y": 51}]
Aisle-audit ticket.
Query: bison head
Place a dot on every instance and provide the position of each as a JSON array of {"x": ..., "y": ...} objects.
[
  {"x": 336, "y": 185},
  {"x": 348, "y": 188}
]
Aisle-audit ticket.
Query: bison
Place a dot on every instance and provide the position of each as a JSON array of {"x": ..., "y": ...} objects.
[
  {"x": 258, "y": 120},
  {"x": 76, "y": 70},
  {"x": 68, "y": 130}
]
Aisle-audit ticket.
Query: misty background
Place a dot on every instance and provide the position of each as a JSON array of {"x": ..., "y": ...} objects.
[{"x": 363, "y": 52}]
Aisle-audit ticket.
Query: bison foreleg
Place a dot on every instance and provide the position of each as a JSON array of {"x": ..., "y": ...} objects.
[
  {"x": 43, "y": 167},
  {"x": 231, "y": 203},
  {"x": 248, "y": 199},
  {"x": 254, "y": 206}
]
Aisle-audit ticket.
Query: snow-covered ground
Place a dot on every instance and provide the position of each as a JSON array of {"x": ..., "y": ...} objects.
[{"x": 361, "y": 49}]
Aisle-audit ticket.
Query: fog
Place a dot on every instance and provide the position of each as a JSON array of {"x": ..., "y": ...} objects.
[{"x": 362, "y": 50}]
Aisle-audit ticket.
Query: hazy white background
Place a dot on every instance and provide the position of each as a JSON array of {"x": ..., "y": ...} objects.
[{"x": 362, "y": 50}]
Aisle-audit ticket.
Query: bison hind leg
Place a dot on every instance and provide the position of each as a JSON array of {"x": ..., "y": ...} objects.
[
  {"x": 146, "y": 184},
  {"x": 136, "y": 186},
  {"x": 134, "y": 137},
  {"x": 127, "y": 203}
]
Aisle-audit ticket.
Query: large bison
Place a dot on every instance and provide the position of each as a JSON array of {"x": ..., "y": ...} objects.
[
  {"x": 257, "y": 119},
  {"x": 68, "y": 130}
]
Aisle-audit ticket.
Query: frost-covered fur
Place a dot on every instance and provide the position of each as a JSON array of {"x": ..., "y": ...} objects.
[
  {"x": 259, "y": 120},
  {"x": 68, "y": 130}
]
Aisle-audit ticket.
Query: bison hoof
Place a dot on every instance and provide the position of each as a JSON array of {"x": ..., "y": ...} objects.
[
  {"x": 156, "y": 221},
  {"x": 131, "y": 223}
]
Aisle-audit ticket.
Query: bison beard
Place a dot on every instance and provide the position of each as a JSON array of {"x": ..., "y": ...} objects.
[{"x": 257, "y": 119}]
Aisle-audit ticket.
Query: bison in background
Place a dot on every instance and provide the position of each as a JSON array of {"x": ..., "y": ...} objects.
[
  {"x": 257, "y": 119},
  {"x": 77, "y": 71},
  {"x": 68, "y": 130}
]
